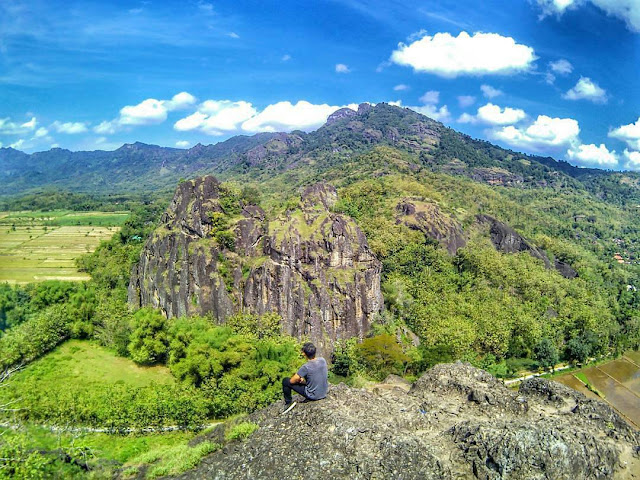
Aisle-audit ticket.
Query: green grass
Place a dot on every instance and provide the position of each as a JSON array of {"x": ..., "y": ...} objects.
[
  {"x": 76, "y": 364},
  {"x": 241, "y": 431},
  {"x": 171, "y": 460}
]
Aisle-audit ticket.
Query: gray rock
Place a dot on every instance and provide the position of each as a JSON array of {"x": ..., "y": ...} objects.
[
  {"x": 311, "y": 266},
  {"x": 436, "y": 431}
]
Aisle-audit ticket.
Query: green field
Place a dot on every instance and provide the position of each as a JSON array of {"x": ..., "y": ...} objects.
[
  {"x": 79, "y": 364},
  {"x": 38, "y": 246}
]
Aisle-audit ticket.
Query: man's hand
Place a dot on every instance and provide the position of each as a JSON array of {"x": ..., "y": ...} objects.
[{"x": 297, "y": 379}]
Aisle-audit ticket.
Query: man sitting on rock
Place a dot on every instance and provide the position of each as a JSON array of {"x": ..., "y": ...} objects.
[{"x": 311, "y": 381}]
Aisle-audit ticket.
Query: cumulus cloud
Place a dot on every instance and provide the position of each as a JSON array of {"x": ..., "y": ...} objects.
[
  {"x": 478, "y": 54},
  {"x": 106, "y": 128},
  {"x": 401, "y": 87},
  {"x": 183, "y": 143},
  {"x": 8, "y": 127},
  {"x": 431, "y": 97},
  {"x": 626, "y": 10},
  {"x": 41, "y": 132},
  {"x": 70, "y": 128},
  {"x": 342, "y": 68},
  {"x": 561, "y": 67},
  {"x": 493, "y": 115},
  {"x": 17, "y": 144},
  {"x": 586, "y": 89},
  {"x": 466, "y": 100},
  {"x": 220, "y": 117},
  {"x": 285, "y": 116},
  {"x": 630, "y": 134},
  {"x": 147, "y": 112},
  {"x": 544, "y": 135},
  {"x": 216, "y": 117},
  {"x": 441, "y": 114},
  {"x": 489, "y": 92},
  {"x": 593, "y": 155},
  {"x": 632, "y": 160}
]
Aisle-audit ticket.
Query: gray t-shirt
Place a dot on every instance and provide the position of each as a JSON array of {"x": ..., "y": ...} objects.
[{"x": 315, "y": 374}]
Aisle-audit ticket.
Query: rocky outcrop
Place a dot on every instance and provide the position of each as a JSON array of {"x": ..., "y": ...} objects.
[
  {"x": 455, "y": 422},
  {"x": 507, "y": 240},
  {"x": 311, "y": 266},
  {"x": 432, "y": 222}
]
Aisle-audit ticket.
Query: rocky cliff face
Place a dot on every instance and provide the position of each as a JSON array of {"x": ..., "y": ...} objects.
[
  {"x": 455, "y": 422},
  {"x": 507, "y": 240},
  {"x": 311, "y": 266}
]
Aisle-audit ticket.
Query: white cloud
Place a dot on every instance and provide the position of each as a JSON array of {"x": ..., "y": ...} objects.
[
  {"x": 467, "y": 118},
  {"x": 441, "y": 114},
  {"x": 17, "y": 144},
  {"x": 626, "y": 10},
  {"x": 586, "y": 89},
  {"x": 431, "y": 97},
  {"x": 633, "y": 160},
  {"x": 286, "y": 58},
  {"x": 180, "y": 101},
  {"x": 401, "y": 87},
  {"x": 561, "y": 67},
  {"x": 233, "y": 35},
  {"x": 70, "y": 128},
  {"x": 342, "y": 68},
  {"x": 550, "y": 7},
  {"x": 284, "y": 116},
  {"x": 544, "y": 135},
  {"x": 183, "y": 143},
  {"x": 593, "y": 155},
  {"x": 466, "y": 100},
  {"x": 215, "y": 117},
  {"x": 489, "y": 92},
  {"x": 152, "y": 111},
  {"x": 106, "y": 128},
  {"x": 7, "y": 127},
  {"x": 479, "y": 54},
  {"x": 41, "y": 132},
  {"x": 493, "y": 115},
  {"x": 629, "y": 134},
  {"x": 147, "y": 112}
]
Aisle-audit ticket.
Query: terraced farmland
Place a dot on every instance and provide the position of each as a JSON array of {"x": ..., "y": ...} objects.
[{"x": 38, "y": 246}]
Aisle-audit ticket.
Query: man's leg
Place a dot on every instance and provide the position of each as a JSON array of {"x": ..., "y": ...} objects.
[{"x": 287, "y": 386}]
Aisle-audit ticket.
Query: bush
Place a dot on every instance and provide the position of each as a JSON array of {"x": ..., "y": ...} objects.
[
  {"x": 149, "y": 341},
  {"x": 382, "y": 355}
]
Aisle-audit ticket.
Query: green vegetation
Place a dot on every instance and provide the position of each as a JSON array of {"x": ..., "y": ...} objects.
[
  {"x": 170, "y": 460},
  {"x": 241, "y": 431}
]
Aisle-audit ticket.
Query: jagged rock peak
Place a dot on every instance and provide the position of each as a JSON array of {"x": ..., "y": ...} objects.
[
  {"x": 340, "y": 114},
  {"x": 320, "y": 194},
  {"x": 455, "y": 422},
  {"x": 310, "y": 265}
]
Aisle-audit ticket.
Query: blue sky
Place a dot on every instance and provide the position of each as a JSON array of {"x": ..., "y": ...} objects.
[{"x": 553, "y": 77}]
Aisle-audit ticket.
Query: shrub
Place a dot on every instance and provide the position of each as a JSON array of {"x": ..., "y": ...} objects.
[{"x": 241, "y": 431}]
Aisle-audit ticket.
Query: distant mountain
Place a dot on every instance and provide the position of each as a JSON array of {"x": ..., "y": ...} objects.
[{"x": 347, "y": 133}]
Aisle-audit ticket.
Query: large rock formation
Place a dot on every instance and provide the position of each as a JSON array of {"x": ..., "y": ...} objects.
[
  {"x": 507, "y": 240},
  {"x": 311, "y": 266},
  {"x": 455, "y": 422}
]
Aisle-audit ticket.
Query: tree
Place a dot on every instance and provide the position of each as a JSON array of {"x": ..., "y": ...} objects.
[
  {"x": 546, "y": 353},
  {"x": 149, "y": 341}
]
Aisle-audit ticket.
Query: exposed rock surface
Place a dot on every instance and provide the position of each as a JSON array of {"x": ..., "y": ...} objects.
[
  {"x": 311, "y": 266},
  {"x": 430, "y": 220},
  {"x": 507, "y": 240},
  {"x": 455, "y": 422}
]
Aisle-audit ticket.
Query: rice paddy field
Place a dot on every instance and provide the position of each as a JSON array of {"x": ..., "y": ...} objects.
[
  {"x": 39, "y": 246},
  {"x": 618, "y": 380}
]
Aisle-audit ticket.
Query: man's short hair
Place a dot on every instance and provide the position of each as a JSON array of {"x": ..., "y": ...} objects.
[{"x": 309, "y": 350}]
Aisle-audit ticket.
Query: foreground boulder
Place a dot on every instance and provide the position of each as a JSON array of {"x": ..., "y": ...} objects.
[
  {"x": 455, "y": 422},
  {"x": 214, "y": 255}
]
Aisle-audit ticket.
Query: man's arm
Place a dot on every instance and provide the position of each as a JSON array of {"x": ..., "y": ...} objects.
[{"x": 297, "y": 379}]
